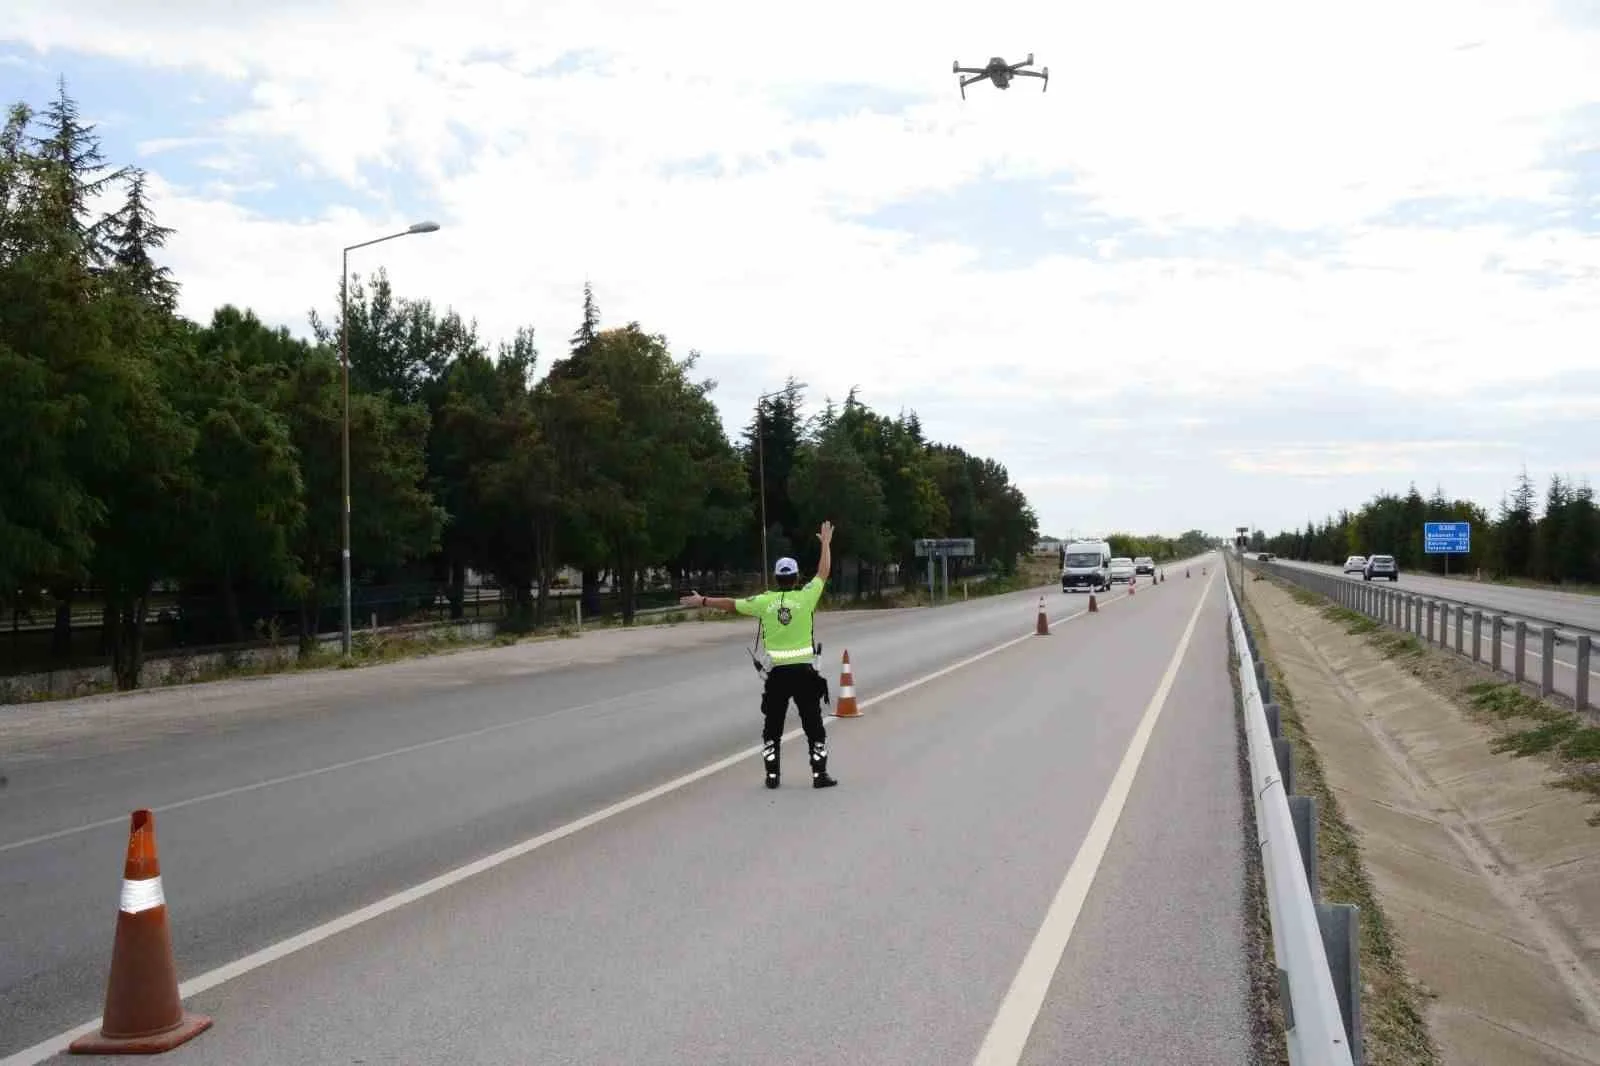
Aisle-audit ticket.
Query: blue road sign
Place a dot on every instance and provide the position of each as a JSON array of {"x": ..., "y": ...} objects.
[{"x": 1447, "y": 538}]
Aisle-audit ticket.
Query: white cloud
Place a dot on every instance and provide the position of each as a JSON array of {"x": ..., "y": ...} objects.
[
  {"x": 1166, "y": 117},
  {"x": 1400, "y": 459}
]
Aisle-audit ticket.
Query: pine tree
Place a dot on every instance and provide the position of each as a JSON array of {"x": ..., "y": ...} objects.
[
  {"x": 1582, "y": 556},
  {"x": 589, "y": 329},
  {"x": 1552, "y": 531},
  {"x": 70, "y": 156},
  {"x": 1516, "y": 532},
  {"x": 131, "y": 233}
]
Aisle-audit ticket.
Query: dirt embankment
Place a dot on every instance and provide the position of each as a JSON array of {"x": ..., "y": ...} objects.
[{"x": 1480, "y": 868}]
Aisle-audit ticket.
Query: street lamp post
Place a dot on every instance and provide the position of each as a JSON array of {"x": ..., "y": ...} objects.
[
  {"x": 344, "y": 360},
  {"x": 761, "y": 460}
]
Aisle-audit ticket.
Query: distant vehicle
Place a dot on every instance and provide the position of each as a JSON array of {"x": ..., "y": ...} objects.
[
  {"x": 1144, "y": 565},
  {"x": 1122, "y": 570},
  {"x": 1000, "y": 72},
  {"x": 1381, "y": 566},
  {"x": 1265, "y": 557},
  {"x": 1356, "y": 564},
  {"x": 1086, "y": 567}
]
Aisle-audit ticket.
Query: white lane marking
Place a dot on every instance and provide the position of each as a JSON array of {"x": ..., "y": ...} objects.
[
  {"x": 301, "y": 775},
  {"x": 238, "y": 968},
  {"x": 1019, "y": 1010},
  {"x": 272, "y": 782}
]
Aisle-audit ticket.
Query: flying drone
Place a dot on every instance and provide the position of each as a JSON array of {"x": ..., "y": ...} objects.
[{"x": 1000, "y": 72}]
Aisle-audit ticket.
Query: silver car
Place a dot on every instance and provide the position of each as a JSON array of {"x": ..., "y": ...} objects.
[{"x": 1381, "y": 566}]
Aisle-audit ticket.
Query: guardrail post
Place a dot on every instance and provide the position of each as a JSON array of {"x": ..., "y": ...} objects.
[
  {"x": 1284, "y": 750},
  {"x": 1274, "y": 718},
  {"x": 1519, "y": 669},
  {"x": 1433, "y": 605},
  {"x": 1547, "y": 661},
  {"x": 1461, "y": 630},
  {"x": 1340, "y": 925},
  {"x": 1580, "y": 691},
  {"x": 1303, "y": 809},
  {"x": 1497, "y": 639},
  {"x": 1405, "y": 610},
  {"x": 1263, "y": 682},
  {"x": 1477, "y": 635}
]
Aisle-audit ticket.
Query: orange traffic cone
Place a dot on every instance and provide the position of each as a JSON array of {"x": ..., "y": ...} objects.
[
  {"x": 847, "y": 691},
  {"x": 1093, "y": 607},
  {"x": 144, "y": 1014},
  {"x": 1042, "y": 626},
  {"x": 1186, "y": 571},
  {"x": 1133, "y": 586}
]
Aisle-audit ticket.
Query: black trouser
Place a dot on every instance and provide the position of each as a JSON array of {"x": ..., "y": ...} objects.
[{"x": 799, "y": 682}]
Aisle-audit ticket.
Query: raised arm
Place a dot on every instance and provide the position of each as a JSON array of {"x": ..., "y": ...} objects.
[{"x": 825, "y": 564}]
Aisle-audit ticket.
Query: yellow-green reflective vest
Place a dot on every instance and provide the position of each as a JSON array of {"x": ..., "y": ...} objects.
[{"x": 786, "y": 620}]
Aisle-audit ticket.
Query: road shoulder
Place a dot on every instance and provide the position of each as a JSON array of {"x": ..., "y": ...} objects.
[{"x": 1483, "y": 874}]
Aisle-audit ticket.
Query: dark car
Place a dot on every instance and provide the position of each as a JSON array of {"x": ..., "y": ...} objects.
[
  {"x": 1381, "y": 566},
  {"x": 1144, "y": 565}
]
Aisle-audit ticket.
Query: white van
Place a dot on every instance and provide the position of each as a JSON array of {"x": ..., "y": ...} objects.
[{"x": 1086, "y": 567}]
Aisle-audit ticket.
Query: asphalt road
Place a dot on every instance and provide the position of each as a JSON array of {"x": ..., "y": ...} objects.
[
  {"x": 1534, "y": 606},
  {"x": 882, "y": 921}
]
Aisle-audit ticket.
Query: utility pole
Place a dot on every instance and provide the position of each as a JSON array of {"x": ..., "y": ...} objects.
[{"x": 1239, "y": 543}]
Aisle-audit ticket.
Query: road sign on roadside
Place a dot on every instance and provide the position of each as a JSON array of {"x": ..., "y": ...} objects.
[
  {"x": 944, "y": 550},
  {"x": 1447, "y": 538},
  {"x": 950, "y": 547}
]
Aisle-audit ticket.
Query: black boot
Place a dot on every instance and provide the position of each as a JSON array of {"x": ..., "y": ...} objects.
[
  {"x": 819, "y": 766},
  {"x": 769, "y": 756}
]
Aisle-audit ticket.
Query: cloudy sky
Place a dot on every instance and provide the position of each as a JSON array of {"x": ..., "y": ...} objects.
[{"x": 1243, "y": 262}]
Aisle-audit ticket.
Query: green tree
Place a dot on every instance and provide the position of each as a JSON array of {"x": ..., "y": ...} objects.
[
  {"x": 247, "y": 504},
  {"x": 393, "y": 518},
  {"x": 1517, "y": 530},
  {"x": 832, "y": 481},
  {"x": 651, "y": 463}
]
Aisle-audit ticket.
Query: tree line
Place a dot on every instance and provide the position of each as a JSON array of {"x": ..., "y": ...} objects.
[
  {"x": 1555, "y": 540},
  {"x": 152, "y": 452},
  {"x": 1159, "y": 548}
]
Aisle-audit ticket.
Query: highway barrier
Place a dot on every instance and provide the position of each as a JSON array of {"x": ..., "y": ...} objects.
[
  {"x": 1470, "y": 630},
  {"x": 1316, "y": 945}
]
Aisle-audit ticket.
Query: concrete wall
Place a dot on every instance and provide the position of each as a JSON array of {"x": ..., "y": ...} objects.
[{"x": 176, "y": 669}]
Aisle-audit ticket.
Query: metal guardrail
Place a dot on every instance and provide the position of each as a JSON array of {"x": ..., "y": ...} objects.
[
  {"x": 1486, "y": 640},
  {"x": 1316, "y": 945}
]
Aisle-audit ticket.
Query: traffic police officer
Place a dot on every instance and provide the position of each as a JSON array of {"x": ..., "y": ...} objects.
[{"x": 787, "y": 633}]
